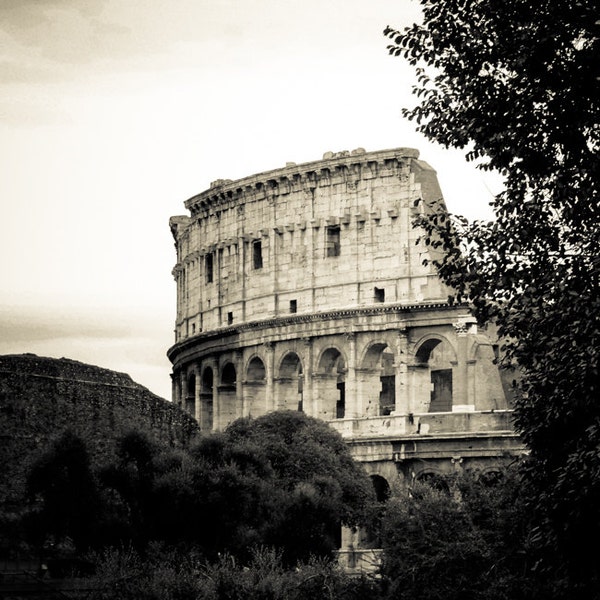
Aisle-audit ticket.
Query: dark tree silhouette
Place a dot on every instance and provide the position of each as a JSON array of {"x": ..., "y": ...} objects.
[{"x": 515, "y": 84}]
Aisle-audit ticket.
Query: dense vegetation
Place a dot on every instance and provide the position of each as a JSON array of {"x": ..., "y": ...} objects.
[
  {"x": 516, "y": 85},
  {"x": 284, "y": 481},
  {"x": 213, "y": 525},
  {"x": 254, "y": 512}
]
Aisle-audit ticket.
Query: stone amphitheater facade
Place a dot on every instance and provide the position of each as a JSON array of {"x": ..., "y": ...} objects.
[{"x": 304, "y": 288}]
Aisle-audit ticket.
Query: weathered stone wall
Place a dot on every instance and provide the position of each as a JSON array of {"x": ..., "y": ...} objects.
[
  {"x": 304, "y": 288},
  {"x": 305, "y": 238},
  {"x": 42, "y": 397}
]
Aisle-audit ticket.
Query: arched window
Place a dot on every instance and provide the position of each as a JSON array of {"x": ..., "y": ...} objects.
[
  {"x": 379, "y": 375},
  {"x": 207, "y": 381},
  {"x": 332, "y": 384},
  {"x": 381, "y": 487},
  {"x": 256, "y": 370},
  {"x": 228, "y": 375},
  {"x": 206, "y": 399},
  {"x": 190, "y": 400},
  {"x": 291, "y": 382},
  {"x": 437, "y": 357}
]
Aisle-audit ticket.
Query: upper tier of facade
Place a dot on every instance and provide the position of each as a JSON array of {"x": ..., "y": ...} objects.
[{"x": 326, "y": 235}]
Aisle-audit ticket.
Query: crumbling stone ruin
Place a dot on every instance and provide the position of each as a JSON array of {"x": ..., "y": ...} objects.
[{"x": 303, "y": 288}]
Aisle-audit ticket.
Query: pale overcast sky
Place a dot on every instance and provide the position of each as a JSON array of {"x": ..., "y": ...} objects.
[{"x": 114, "y": 112}]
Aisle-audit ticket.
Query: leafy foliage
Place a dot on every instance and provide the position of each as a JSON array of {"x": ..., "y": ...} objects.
[
  {"x": 284, "y": 481},
  {"x": 515, "y": 85},
  {"x": 65, "y": 494},
  {"x": 161, "y": 575},
  {"x": 467, "y": 539},
  {"x": 316, "y": 484}
]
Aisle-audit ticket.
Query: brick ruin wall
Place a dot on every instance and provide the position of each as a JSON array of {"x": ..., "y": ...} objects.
[{"x": 42, "y": 397}]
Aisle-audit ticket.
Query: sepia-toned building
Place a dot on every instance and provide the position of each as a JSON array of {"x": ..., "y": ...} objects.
[{"x": 304, "y": 288}]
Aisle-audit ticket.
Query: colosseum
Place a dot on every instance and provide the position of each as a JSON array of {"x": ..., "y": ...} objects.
[{"x": 304, "y": 288}]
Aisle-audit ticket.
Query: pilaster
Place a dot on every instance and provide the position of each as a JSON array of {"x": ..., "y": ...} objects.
[{"x": 401, "y": 371}]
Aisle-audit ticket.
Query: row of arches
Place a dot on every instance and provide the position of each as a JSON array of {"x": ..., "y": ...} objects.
[{"x": 378, "y": 384}]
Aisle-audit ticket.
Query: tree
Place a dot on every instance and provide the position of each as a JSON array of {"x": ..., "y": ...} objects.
[
  {"x": 284, "y": 480},
  {"x": 515, "y": 85},
  {"x": 64, "y": 493},
  {"x": 466, "y": 538},
  {"x": 315, "y": 484}
]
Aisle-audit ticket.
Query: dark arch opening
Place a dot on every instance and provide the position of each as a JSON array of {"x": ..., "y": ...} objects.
[
  {"x": 206, "y": 399},
  {"x": 491, "y": 478},
  {"x": 256, "y": 370},
  {"x": 190, "y": 399},
  {"x": 228, "y": 375},
  {"x": 291, "y": 380},
  {"x": 379, "y": 359},
  {"x": 332, "y": 364},
  {"x": 438, "y": 357},
  {"x": 207, "y": 381},
  {"x": 381, "y": 487}
]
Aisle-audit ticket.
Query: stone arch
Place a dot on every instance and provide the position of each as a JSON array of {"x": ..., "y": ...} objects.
[
  {"x": 228, "y": 375},
  {"x": 190, "y": 399},
  {"x": 289, "y": 365},
  {"x": 329, "y": 383},
  {"x": 206, "y": 398},
  {"x": 254, "y": 392},
  {"x": 368, "y": 537},
  {"x": 381, "y": 487},
  {"x": 290, "y": 382},
  {"x": 255, "y": 370},
  {"x": 434, "y": 374},
  {"x": 228, "y": 405},
  {"x": 377, "y": 378},
  {"x": 425, "y": 346}
]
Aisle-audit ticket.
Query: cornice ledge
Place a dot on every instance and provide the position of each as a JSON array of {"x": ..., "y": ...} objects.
[
  {"x": 296, "y": 319},
  {"x": 228, "y": 189}
]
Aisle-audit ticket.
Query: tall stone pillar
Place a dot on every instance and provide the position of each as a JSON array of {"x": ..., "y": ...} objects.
[
  {"x": 242, "y": 273},
  {"x": 311, "y": 238},
  {"x": 401, "y": 370},
  {"x": 308, "y": 399},
  {"x": 270, "y": 376},
  {"x": 174, "y": 395},
  {"x": 353, "y": 404},
  {"x": 197, "y": 394},
  {"x": 212, "y": 363},
  {"x": 239, "y": 384},
  {"x": 184, "y": 390},
  {"x": 460, "y": 386}
]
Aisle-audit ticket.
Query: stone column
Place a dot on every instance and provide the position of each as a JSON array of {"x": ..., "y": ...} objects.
[
  {"x": 311, "y": 236},
  {"x": 212, "y": 363},
  {"x": 353, "y": 404},
  {"x": 459, "y": 387},
  {"x": 269, "y": 376},
  {"x": 401, "y": 370},
  {"x": 184, "y": 391},
  {"x": 239, "y": 386},
  {"x": 325, "y": 395},
  {"x": 174, "y": 398},
  {"x": 197, "y": 397},
  {"x": 308, "y": 399},
  {"x": 242, "y": 273}
]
